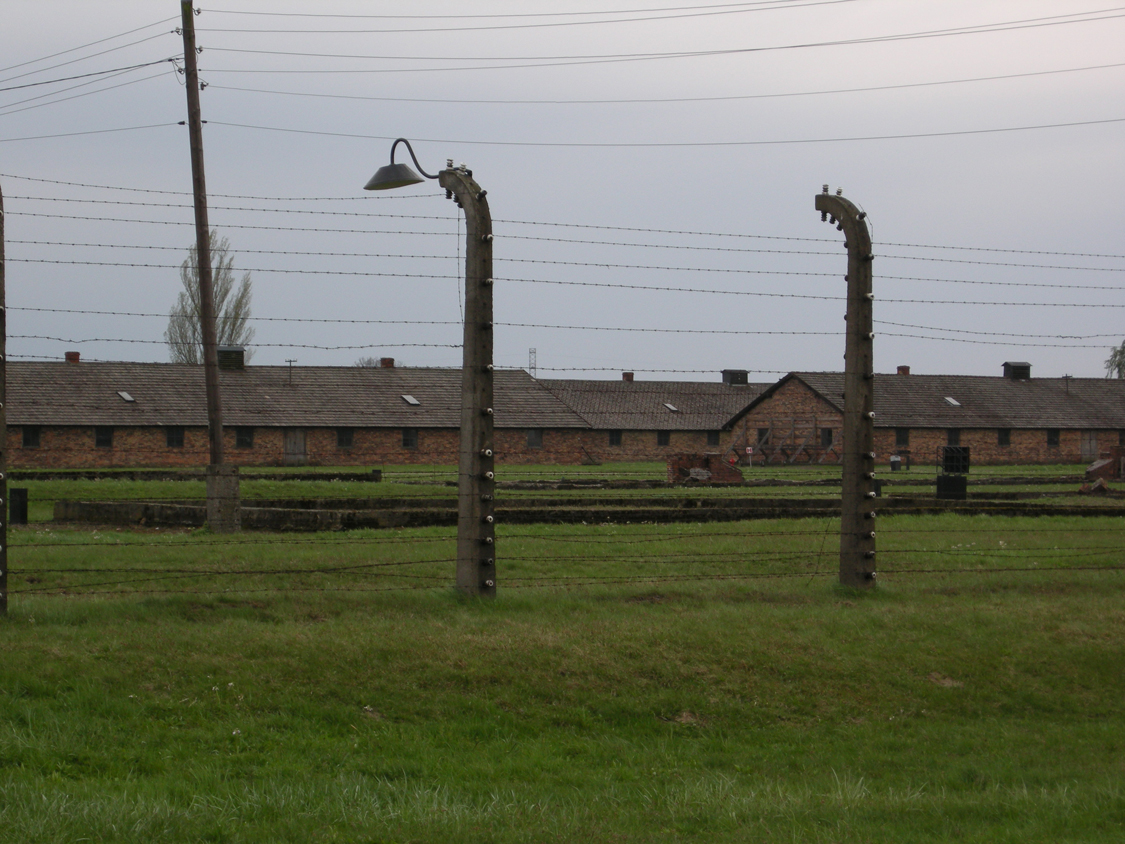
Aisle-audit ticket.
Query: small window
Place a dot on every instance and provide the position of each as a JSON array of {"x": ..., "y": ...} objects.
[
  {"x": 409, "y": 437},
  {"x": 125, "y": 396},
  {"x": 410, "y": 400},
  {"x": 174, "y": 436},
  {"x": 663, "y": 437},
  {"x": 826, "y": 436},
  {"x": 534, "y": 437},
  {"x": 243, "y": 437},
  {"x": 345, "y": 437},
  {"x": 103, "y": 436},
  {"x": 952, "y": 401},
  {"x": 1121, "y": 437},
  {"x": 712, "y": 438},
  {"x": 902, "y": 438},
  {"x": 763, "y": 436},
  {"x": 671, "y": 407},
  {"x": 1003, "y": 437},
  {"x": 615, "y": 438},
  {"x": 1052, "y": 438},
  {"x": 31, "y": 436},
  {"x": 953, "y": 436}
]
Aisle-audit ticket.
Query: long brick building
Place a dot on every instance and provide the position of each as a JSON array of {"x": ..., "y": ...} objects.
[
  {"x": 92, "y": 414},
  {"x": 1012, "y": 418}
]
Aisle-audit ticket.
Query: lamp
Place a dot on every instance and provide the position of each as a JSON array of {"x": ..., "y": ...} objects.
[{"x": 397, "y": 175}]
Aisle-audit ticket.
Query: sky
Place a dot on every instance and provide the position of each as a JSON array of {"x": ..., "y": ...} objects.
[{"x": 651, "y": 168}]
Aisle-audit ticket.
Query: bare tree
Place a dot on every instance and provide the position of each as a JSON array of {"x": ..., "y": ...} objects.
[
  {"x": 1115, "y": 363},
  {"x": 184, "y": 334}
]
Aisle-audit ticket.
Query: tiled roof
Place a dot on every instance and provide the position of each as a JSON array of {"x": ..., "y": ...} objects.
[
  {"x": 920, "y": 401},
  {"x": 331, "y": 396},
  {"x": 643, "y": 405}
]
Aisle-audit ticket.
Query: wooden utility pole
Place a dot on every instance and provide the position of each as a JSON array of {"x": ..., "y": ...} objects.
[
  {"x": 857, "y": 516},
  {"x": 476, "y": 485},
  {"x": 222, "y": 481},
  {"x": 3, "y": 424}
]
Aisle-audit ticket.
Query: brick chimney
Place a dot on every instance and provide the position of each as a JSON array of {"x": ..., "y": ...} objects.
[
  {"x": 626, "y": 376},
  {"x": 387, "y": 363},
  {"x": 73, "y": 357},
  {"x": 904, "y": 370}
]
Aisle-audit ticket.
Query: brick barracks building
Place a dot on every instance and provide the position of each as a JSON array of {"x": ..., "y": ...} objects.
[{"x": 75, "y": 414}]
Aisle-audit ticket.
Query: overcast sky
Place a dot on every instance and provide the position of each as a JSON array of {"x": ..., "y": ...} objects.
[{"x": 651, "y": 169}]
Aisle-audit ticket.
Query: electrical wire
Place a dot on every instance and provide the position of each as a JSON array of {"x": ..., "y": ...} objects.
[
  {"x": 90, "y": 44},
  {"x": 663, "y": 100},
  {"x": 683, "y": 144},
  {"x": 87, "y": 75},
  {"x": 537, "y": 61}
]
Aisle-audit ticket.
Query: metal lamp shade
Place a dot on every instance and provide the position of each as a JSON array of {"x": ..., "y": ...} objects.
[{"x": 393, "y": 176}]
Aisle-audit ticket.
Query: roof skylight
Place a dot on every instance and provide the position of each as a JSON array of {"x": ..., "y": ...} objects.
[
  {"x": 125, "y": 396},
  {"x": 411, "y": 400},
  {"x": 952, "y": 401},
  {"x": 671, "y": 407}
]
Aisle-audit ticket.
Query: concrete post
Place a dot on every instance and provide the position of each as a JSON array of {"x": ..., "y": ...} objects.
[
  {"x": 857, "y": 515},
  {"x": 476, "y": 485},
  {"x": 224, "y": 507}
]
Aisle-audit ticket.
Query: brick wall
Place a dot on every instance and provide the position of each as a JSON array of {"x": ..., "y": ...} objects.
[
  {"x": 1025, "y": 446},
  {"x": 641, "y": 445},
  {"x": 799, "y": 413},
  {"x": 795, "y": 415},
  {"x": 73, "y": 447}
]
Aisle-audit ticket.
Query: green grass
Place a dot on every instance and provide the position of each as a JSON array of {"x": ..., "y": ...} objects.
[{"x": 961, "y": 704}]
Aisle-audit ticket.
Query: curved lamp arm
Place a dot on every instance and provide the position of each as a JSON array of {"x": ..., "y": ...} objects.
[{"x": 409, "y": 149}]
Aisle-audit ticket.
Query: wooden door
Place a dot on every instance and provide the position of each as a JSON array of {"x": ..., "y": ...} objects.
[
  {"x": 1089, "y": 446},
  {"x": 295, "y": 447}
]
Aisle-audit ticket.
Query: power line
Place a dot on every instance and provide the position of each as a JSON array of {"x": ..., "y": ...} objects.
[
  {"x": 614, "y": 58},
  {"x": 88, "y": 132},
  {"x": 90, "y": 44},
  {"x": 87, "y": 75},
  {"x": 488, "y": 15},
  {"x": 493, "y": 27},
  {"x": 681, "y": 144},
  {"x": 9, "y": 109},
  {"x": 656, "y": 100}
]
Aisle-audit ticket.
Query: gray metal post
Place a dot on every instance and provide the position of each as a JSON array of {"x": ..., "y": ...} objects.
[
  {"x": 3, "y": 425},
  {"x": 857, "y": 516},
  {"x": 476, "y": 485},
  {"x": 222, "y": 482}
]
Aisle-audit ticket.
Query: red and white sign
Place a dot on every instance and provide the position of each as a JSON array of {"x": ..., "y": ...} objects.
[{"x": 749, "y": 449}]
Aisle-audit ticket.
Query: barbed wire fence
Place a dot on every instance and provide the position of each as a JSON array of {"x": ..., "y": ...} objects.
[{"x": 46, "y": 561}]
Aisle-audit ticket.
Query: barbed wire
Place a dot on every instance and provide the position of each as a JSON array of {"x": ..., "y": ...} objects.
[
  {"x": 383, "y": 197},
  {"x": 339, "y": 321}
]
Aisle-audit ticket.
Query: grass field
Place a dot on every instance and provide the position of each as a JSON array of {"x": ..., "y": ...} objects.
[{"x": 634, "y": 683}]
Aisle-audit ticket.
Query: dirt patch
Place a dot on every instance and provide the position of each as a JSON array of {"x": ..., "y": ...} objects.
[{"x": 945, "y": 682}]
